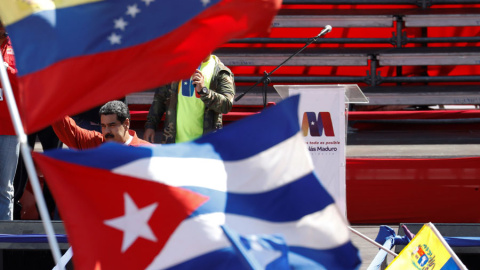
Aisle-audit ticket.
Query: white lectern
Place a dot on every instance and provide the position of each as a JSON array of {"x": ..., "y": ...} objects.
[{"x": 323, "y": 120}]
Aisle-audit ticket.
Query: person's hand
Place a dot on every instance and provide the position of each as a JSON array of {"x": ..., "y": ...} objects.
[
  {"x": 198, "y": 80},
  {"x": 149, "y": 135}
]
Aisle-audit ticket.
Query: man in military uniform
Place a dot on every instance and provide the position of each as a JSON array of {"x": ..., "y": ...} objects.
[{"x": 193, "y": 106}]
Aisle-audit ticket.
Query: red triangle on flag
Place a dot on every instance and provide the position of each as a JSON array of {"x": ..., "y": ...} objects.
[{"x": 115, "y": 221}]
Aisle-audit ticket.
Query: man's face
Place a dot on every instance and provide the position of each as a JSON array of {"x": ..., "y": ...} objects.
[{"x": 113, "y": 130}]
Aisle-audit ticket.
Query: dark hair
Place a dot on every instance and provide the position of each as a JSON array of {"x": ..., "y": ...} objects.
[{"x": 116, "y": 107}]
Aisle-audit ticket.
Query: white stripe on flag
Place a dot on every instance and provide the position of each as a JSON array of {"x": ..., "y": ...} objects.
[
  {"x": 202, "y": 234},
  {"x": 270, "y": 166}
]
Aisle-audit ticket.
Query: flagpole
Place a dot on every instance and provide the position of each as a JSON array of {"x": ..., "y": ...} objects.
[
  {"x": 446, "y": 245},
  {"x": 27, "y": 158},
  {"x": 373, "y": 242}
]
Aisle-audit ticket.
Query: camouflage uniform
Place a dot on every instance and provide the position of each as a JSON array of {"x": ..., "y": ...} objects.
[{"x": 219, "y": 100}]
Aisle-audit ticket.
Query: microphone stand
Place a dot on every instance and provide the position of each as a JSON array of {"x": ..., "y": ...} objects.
[{"x": 266, "y": 76}]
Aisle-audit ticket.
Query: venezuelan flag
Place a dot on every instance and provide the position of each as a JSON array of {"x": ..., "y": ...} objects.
[
  {"x": 427, "y": 250},
  {"x": 74, "y": 54}
]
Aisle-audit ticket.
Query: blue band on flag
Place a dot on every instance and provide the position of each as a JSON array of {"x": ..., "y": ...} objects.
[
  {"x": 298, "y": 258},
  {"x": 450, "y": 265},
  {"x": 224, "y": 258},
  {"x": 327, "y": 258},
  {"x": 261, "y": 132},
  {"x": 109, "y": 156},
  {"x": 290, "y": 201}
]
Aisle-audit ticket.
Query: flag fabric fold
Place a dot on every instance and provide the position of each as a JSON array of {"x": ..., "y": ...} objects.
[
  {"x": 254, "y": 176},
  {"x": 260, "y": 251},
  {"x": 74, "y": 54}
]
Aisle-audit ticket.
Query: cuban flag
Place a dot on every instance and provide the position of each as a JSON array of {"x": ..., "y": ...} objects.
[
  {"x": 166, "y": 206},
  {"x": 77, "y": 54}
]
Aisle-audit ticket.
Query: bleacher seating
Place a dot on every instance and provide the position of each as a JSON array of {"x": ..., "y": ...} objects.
[
  {"x": 443, "y": 17},
  {"x": 423, "y": 95},
  {"x": 308, "y": 57},
  {"x": 425, "y": 56},
  {"x": 392, "y": 44},
  {"x": 314, "y": 18}
]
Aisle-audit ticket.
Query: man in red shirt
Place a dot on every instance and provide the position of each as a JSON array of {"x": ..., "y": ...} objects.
[
  {"x": 115, "y": 123},
  {"x": 9, "y": 144}
]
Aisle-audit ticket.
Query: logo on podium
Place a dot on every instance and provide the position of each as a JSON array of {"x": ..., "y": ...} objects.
[{"x": 317, "y": 126}]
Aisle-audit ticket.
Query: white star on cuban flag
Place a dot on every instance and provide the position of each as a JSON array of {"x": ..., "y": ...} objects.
[{"x": 134, "y": 223}]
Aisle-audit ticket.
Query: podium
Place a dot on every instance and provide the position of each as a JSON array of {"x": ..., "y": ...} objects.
[{"x": 323, "y": 115}]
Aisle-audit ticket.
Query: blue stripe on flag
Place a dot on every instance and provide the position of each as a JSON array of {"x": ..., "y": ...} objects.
[
  {"x": 112, "y": 155},
  {"x": 287, "y": 203},
  {"x": 328, "y": 258},
  {"x": 88, "y": 27},
  {"x": 258, "y": 132},
  {"x": 219, "y": 259},
  {"x": 107, "y": 156},
  {"x": 450, "y": 265},
  {"x": 225, "y": 258}
]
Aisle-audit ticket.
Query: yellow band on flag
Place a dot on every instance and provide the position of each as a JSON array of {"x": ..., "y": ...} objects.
[{"x": 12, "y": 11}]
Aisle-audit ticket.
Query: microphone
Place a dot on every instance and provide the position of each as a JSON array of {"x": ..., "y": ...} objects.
[{"x": 325, "y": 30}]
